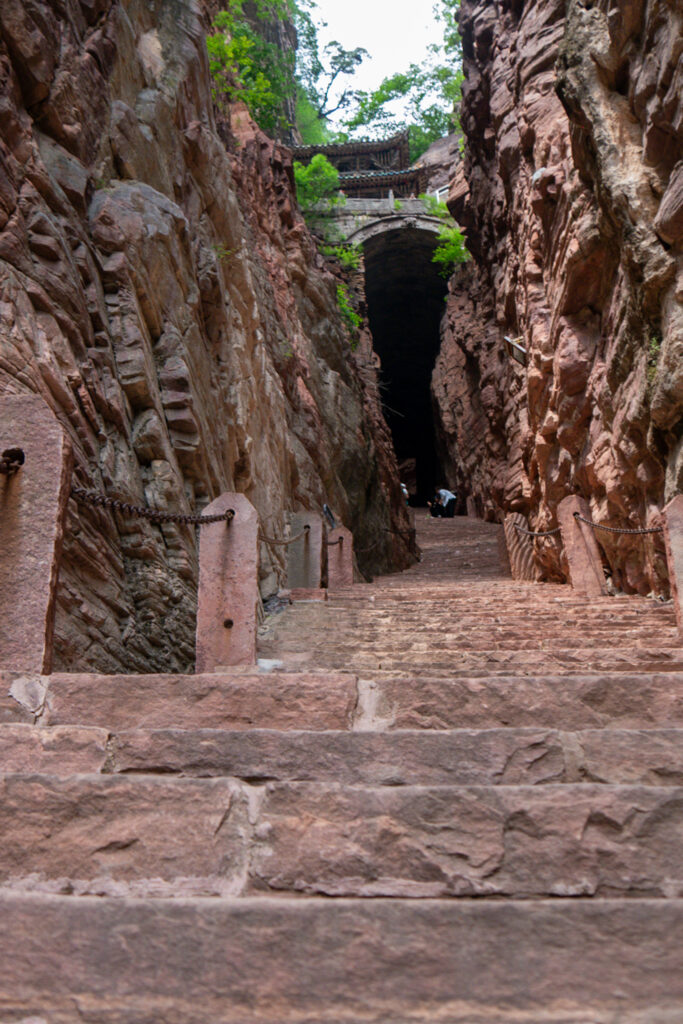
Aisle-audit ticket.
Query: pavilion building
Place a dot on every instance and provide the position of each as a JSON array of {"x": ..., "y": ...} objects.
[{"x": 371, "y": 169}]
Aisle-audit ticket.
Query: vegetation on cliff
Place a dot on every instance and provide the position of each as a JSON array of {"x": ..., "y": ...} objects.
[{"x": 310, "y": 85}]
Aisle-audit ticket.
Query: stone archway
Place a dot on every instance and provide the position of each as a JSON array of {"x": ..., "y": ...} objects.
[
  {"x": 393, "y": 222},
  {"x": 405, "y": 296}
]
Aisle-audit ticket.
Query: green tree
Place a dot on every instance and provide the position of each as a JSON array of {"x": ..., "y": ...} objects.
[
  {"x": 245, "y": 65},
  {"x": 317, "y": 190},
  {"x": 432, "y": 92},
  {"x": 450, "y": 250},
  {"x": 319, "y": 74}
]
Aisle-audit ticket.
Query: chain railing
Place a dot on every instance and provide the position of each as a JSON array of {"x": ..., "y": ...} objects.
[
  {"x": 283, "y": 543},
  {"x": 618, "y": 529},
  {"x": 154, "y": 515},
  {"x": 537, "y": 533},
  {"x": 588, "y": 522}
]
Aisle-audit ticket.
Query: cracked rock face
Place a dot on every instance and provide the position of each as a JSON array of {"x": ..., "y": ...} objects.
[
  {"x": 161, "y": 293},
  {"x": 572, "y": 195}
]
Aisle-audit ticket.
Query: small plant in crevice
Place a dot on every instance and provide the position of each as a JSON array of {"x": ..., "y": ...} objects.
[
  {"x": 450, "y": 250},
  {"x": 348, "y": 313},
  {"x": 398, "y": 205},
  {"x": 653, "y": 350},
  {"x": 222, "y": 252},
  {"x": 349, "y": 256}
]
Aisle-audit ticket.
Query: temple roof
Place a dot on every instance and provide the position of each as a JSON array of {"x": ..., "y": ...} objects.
[
  {"x": 407, "y": 176},
  {"x": 398, "y": 142}
]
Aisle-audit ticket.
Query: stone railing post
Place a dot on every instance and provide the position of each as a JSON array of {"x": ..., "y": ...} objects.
[
  {"x": 339, "y": 557},
  {"x": 306, "y": 557},
  {"x": 672, "y": 517},
  {"x": 228, "y": 586},
  {"x": 581, "y": 548},
  {"x": 32, "y": 509}
]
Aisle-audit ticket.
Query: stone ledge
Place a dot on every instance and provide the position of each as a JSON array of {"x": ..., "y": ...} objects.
[{"x": 341, "y": 961}]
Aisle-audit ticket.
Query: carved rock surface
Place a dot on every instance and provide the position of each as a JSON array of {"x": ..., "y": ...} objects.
[
  {"x": 571, "y": 196},
  {"x": 160, "y": 291}
]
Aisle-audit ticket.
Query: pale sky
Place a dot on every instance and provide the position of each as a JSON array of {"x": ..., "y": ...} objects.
[{"x": 394, "y": 35}]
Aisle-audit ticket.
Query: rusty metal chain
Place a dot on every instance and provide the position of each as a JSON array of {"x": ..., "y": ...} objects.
[
  {"x": 11, "y": 460},
  {"x": 154, "y": 515},
  {"x": 536, "y": 533},
  {"x": 333, "y": 543},
  {"x": 616, "y": 529},
  {"x": 283, "y": 543}
]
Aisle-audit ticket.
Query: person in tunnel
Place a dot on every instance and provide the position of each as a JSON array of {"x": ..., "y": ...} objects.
[{"x": 443, "y": 505}]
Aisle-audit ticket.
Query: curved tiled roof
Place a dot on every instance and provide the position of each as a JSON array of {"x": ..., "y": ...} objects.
[{"x": 399, "y": 141}]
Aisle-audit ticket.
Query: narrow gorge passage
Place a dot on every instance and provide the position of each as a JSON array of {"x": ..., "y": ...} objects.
[{"x": 405, "y": 297}]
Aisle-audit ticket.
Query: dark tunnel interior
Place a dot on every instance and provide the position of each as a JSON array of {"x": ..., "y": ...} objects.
[{"x": 405, "y": 296}]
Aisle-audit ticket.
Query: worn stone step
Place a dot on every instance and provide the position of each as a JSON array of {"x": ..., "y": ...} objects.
[
  {"x": 572, "y": 702},
  {"x": 169, "y": 836},
  {"x": 61, "y": 750},
  {"x": 488, "y": 606},
  {"x": 385, "y": 700},
  {"x": 511, "y": 841},
  {"x": 345, "y": 636},
  {"x": 221, "y": 700},
  {"x": 604, "y": 661},
  {"x": 396, "y": 621},
  {"x": 457, "y": 757},
  {"x": 344, "y": 961},
  {"x": 121, "y": 834},
  {"x": 419, "y": 645}
]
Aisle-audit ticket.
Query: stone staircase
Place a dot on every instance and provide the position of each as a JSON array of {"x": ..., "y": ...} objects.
[{"x": 456, "y": 799}]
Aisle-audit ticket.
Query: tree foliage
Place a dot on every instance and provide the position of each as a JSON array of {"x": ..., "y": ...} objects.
[
  {"x": 317, "y": 185},
  {"x": 450, "y": 250},
  {"x": 431, "y": 91},
  {"x": 245, "y": 65}
]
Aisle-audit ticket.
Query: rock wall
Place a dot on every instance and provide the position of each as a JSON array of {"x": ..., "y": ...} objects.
[
  {"x": 164, "y": 297},
  {"x": 572, "y": 196}
]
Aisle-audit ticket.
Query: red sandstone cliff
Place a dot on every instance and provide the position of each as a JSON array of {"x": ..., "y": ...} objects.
[
  {"x": 573, "y": 201},
  {"x": 165, "y": 299}
]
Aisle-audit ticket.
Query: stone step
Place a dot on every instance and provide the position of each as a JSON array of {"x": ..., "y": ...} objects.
[
  {"x": 504, "y": 841},
  {"x": 473, "y": 640},
  {"x": 516, "y": 599},
  {"x": 468, "y": 601},
  {"x": 456, "y": 757},
  {"x": 572, "y": 702},
  {"x": 123, "y": 835},
  {"x": 343, "y": 961},
  {"x": 412, "y": 616},
  {"x": 61, "y": 750},
  {"x": 380, "y": 701},
  {"x": 455, "y": 626},
  {"x": 173, "y": 837},
  {"x": 484, "y": 663},
  {"x": 227, "y": 700}
]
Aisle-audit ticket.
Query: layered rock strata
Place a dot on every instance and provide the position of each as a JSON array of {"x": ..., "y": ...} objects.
[
  {"x": 161, "y": 293},
  {"x": 572, "y": 197}
]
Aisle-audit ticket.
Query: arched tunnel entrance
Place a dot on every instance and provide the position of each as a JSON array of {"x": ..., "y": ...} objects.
[{"x": 405, "y": 297}]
